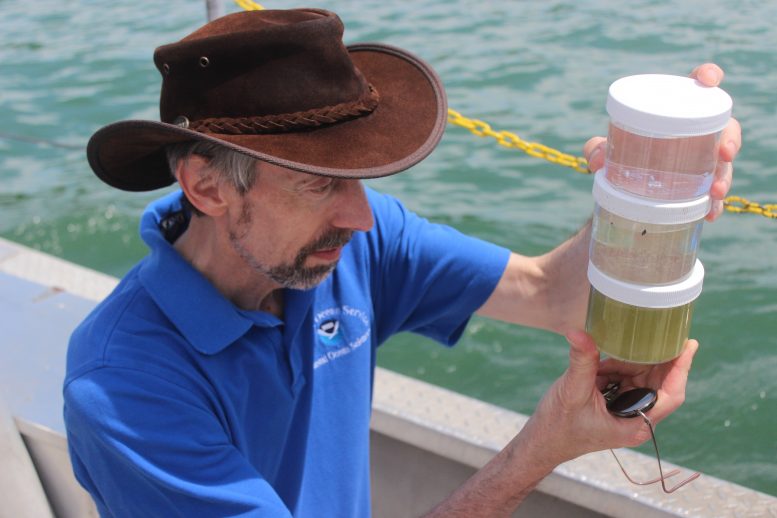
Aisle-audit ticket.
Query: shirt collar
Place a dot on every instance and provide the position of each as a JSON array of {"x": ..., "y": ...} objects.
[{"x": 208, "y": 320}]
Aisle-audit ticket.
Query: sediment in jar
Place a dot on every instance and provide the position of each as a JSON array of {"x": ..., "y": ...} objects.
[{"x": 643, "y": 253}]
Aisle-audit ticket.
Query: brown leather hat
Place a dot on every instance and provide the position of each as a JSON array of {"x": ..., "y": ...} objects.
[{"x": 280, "y": 86}]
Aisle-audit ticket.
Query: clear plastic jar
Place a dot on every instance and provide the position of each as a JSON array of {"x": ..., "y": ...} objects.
[
  {"x": 638, "y": 323},
  {"x": 644, "y": 241},
  {"x": 663, "y": 135}
]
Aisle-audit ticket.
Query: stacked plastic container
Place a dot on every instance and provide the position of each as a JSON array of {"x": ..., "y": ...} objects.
[{"x": 651, "y": 200}]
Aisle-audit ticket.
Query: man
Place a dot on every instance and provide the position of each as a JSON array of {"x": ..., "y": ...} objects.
[{"x": 230, "y": 373}]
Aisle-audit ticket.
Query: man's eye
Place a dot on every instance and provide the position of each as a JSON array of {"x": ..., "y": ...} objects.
[{"x": 322, "y": 187}]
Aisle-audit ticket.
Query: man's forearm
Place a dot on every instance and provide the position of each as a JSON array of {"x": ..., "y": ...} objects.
[
  {"x": 547, "y": 292},
  {"x": 566, "y": 267},
  {"x": 501, "y": 485}
]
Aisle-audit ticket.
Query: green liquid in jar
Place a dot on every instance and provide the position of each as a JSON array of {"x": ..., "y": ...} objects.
[{"x": 636, "y": 334}]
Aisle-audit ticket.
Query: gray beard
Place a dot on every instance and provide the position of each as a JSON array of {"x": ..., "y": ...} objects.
[{"x": 293, "y": 275}]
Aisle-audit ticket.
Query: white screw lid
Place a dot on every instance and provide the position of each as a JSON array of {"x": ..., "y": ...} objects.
[
  {"x": 657, "y": 105},
  {"x": 648, "y": 296},
  {"x": 647, "y": 210}
]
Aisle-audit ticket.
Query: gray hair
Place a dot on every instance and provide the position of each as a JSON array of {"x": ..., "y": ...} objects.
[{"x": 238, "y": 169}]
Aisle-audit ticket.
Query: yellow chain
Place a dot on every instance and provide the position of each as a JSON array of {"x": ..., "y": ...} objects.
[
  {"x": 249, "y": 5},
  {"x": 580, "y": 164},
  {"x": 511, "y": 140},
  {"x": 738, "y": 204}
]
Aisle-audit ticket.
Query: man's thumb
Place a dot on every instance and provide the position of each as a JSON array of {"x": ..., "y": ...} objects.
[{"x": 583, "y": 358}]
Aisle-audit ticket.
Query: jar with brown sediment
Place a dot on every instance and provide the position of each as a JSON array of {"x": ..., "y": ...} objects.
[{"x": 644, "y": 241}]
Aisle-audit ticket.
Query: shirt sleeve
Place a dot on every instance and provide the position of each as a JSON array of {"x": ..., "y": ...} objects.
[
  {"x": 430, "y": 278},
  {"x": 154, "y": 449}
]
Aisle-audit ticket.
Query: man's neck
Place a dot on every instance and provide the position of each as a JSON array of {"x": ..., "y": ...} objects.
[{"x": 201, "y": 246}]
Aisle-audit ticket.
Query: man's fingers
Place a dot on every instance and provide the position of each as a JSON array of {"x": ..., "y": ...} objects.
[
  {"x": 684, "y": 361},
  {"x": 731, "y": 143},
  {"x": 583, "y": 360},
  {"x": 730, "y": 140},
  {"x": 594, "y": 151},
  {"x": 721, "y": 185},
  {"x": 715, "y": 210},
  {"x": 672, "y": 389},
  {"x": 708, "y": 74},
  {"x": 724, "y": 174}
]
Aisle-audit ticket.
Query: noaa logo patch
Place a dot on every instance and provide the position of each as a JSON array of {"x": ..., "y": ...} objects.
[
  {"x": 340, "y": 331},
  {"x": 329, "y": 332}
]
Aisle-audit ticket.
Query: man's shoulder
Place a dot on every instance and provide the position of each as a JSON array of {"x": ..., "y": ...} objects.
[
  {"x": 390, "y": 215},
  {"x": 383, "y": 203},
  {"x": 107, "y": 335}
]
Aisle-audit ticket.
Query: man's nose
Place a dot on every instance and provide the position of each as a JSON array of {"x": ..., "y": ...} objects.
[{"x": 353, "y": 211}]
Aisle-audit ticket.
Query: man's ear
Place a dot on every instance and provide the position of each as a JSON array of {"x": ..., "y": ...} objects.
[{"x": 201, "y": 185}]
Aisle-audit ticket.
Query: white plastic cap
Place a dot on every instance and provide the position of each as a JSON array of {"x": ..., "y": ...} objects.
[
  {"x": 647, "y": 210},
  {"x": 656, "y": 105},
  {"x": 646, "y": 296}
]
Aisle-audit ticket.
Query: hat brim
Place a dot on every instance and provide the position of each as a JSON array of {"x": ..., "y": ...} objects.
[{"x": 406, "y": 126}]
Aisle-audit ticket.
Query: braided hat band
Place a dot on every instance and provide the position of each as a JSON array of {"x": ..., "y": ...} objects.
[{"x": 282, "y": 122}]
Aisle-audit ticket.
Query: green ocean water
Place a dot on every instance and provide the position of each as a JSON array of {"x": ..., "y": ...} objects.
[{"x": 540, "y": 69}]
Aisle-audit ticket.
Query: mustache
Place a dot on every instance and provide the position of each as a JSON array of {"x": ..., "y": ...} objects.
[{"x": 332, "y": 239}]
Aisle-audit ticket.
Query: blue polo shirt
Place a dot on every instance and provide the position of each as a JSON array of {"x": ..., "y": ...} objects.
[{"x": 178, "y": 403}]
